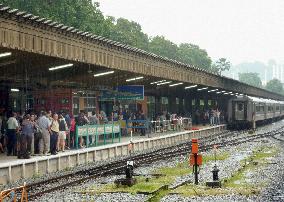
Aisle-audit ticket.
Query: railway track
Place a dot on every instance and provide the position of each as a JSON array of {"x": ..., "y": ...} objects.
[{"x": 71, "y": 179}]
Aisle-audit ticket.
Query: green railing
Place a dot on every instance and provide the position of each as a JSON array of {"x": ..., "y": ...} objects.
[{"x": 97, "y": 131}]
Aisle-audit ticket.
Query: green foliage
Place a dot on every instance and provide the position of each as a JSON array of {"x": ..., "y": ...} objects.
[
  {"x": 221, "y": 65},
  {"x": 86, "y": 16},
  {"x": 219, "y": 157},
  {"x": 275, "y": 86},
  {"x": 192, "y": 54},
  {"x": 81, "y": 14},
  {"x": 161, "y": 46},
  {"x": 252, "y": 163},
  {"x": 141, "y": 186},
  {"x": 129, "y": 32},
  {"x": 175, "y": 171},
  {"x": 251, "y": 79}
]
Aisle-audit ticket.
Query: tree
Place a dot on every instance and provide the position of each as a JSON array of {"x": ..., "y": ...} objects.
[
  {"x": 85, "y": 15},
  {"x": 251, "y": 79},
  {"x": 221, "y": 65},
  {"x": 161, "y": 46},
  {"x": 275, "y": 86},
  {"x": 81, "y": 14},
  {"x": 129, "y": 32},
  {"x": 192, "y": 54}
]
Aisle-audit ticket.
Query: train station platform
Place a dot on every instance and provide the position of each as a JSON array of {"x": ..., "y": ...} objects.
[{"x": 13, "y": 169}]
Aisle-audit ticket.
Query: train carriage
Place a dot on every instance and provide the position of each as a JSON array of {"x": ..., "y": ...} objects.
[{"x": 244, "y": 110}]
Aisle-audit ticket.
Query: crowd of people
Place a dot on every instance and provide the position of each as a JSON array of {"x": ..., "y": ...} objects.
[
  {"x": 29, "y": 134},
  {"x": 47, "y": 133},
  {"x": 211, "y": 116}
]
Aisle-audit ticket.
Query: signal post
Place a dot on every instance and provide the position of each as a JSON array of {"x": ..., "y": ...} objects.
[{"x": 195, "y": 159}]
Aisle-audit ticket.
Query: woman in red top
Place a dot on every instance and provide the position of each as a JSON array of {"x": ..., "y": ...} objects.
[{"x": 72, "y": 131}]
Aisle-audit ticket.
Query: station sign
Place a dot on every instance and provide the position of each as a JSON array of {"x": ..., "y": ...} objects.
[
  {"x": 98, "y": 129},
  {"x": 126, "y": 92}
]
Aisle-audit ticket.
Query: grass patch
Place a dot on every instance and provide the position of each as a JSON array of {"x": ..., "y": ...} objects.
[
  {"x": 239, "y": 180},
  {"x": 168, "y": 175},
  {"x": 159, "y": 196},
  {"x": 236, "y": 184},
  {"x": 140, "y": 186},
  {"x": 174, "y": 171},
  {"x": 190, "y": 190},
  {"x": 219, "y": 157}
]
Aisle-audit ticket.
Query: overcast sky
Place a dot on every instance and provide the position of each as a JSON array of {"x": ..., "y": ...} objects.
[{"x": 240, "y": 30}]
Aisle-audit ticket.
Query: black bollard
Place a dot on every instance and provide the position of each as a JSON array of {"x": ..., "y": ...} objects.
[
  {"x": 215, "y": 172},
  {"x": 129, "y": 170}
]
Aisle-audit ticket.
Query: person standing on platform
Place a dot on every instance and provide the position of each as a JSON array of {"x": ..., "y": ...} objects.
[
  {"x": 94, "y": 120},
  {"x": 197, "y": 117},
  {"x": 2, "y": 132},
  {"x": 218, "y": 116},
  {"x": 81, "y": 121},
  {"x": 32, "y": 120},
  {"x": 211, "y": 117},
  {"x": 49, "y": 115},
  {"x": 72, "y": 131},
  {"x": 67, "y": 118},
  {"x": 44, "y": 140},
  {"x": 54, "y": 134},
  {"x": 13, "y": 128},
  {"x": 143, "y": 125},
  {"x": 62, "y": 132},
  {"x": 28, "y": 129},
  {"x": 103, "y": 117}
]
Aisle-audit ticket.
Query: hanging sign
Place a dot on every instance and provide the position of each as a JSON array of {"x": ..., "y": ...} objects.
[{"x": 127, "y": 92}]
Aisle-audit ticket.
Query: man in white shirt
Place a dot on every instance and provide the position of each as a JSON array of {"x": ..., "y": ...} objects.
[
  {"x": 44, "y": 142},
  {"x": 13, "y": 128}
]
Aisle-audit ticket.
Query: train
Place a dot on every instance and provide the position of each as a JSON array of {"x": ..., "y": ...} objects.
[{"x": 246, "y": 112}]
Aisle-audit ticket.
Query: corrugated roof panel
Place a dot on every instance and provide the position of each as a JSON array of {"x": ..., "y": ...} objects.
[
  {"x": 34, "y": 17},
  {"x": 53, "y": 24},
  {"x": 20, "y": 13},
  {"x": 27, "y": 15},
  {"x": 41, "y": 19},
  {"x": 47, "y": 21},
  {"x": 5, "y": 8},
  {"x": 13, "y": 11}
]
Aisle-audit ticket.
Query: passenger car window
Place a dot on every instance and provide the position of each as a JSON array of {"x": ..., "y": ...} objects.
[
  {"x": 240, "y": 107},
  {"x": 257, "y": 108}
]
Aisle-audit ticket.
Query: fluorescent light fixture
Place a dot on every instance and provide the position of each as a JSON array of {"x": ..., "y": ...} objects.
[
  {"x": 241, "y": 94},
  {"x": 226, "y": 93},
  {"x": 223, "y": 91},
  {"x": 188, "y": 87},
  {"x": 159, "y": 84},
  {"x": 212, "y": 90},
  {"x": 199, "y": 89},
  {"x": 218, "y": 92},
  {"x": 103, "y": 73},
  {"x": 5, "y": 54},
  {"x": 134, "y": 79},
  {"x": 15, "y": 90},
  {"x": 230, "y": 92},
  {"x": 176, "y": 84},
  {"x": 60, "y": 67}
]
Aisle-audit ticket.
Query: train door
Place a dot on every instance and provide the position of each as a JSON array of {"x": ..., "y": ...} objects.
[{"x": 239, "y": 110}]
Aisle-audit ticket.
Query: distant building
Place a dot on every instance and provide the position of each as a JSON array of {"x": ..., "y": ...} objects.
[{"x": 278, "y": 72}]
